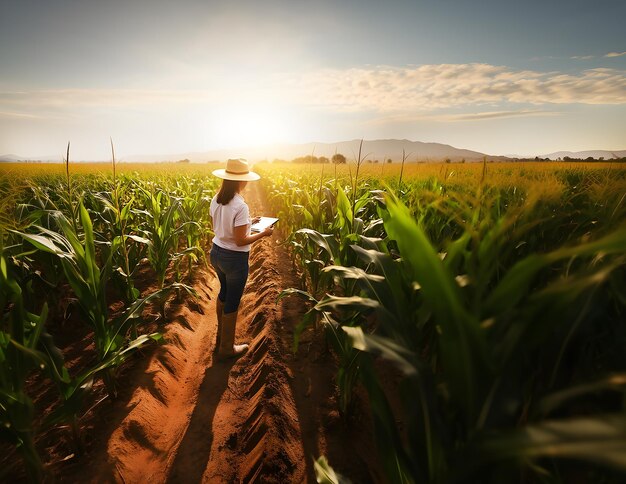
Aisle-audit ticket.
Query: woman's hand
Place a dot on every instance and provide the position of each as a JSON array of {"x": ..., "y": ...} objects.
[
  {"x": 242, "y": 237},
  {"x": 255, "y": 220}
]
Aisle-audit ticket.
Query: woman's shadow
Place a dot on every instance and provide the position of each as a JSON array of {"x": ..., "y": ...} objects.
[{"x": 194, "y": 451}]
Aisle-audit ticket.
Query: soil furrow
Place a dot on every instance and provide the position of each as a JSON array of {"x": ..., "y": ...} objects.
[{"x": 192, "y": 418}]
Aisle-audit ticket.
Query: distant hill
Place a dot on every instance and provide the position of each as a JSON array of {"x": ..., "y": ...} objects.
[
  {"x": 5, "y": 158},
  {"x": 381, "y": 150},
  {"x": 597, "y": 154},
  {"x": 374, "y": 149},
  {"x": 14, "y": 158}
]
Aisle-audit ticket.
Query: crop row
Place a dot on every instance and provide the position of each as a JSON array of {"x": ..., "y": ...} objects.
[
  {"x": 499, "y": 300},
  {"x": 85, "y": 238}
]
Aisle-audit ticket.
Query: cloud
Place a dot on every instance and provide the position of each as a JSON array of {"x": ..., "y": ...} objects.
[
  {"x": 4, "y": 114},
  {"x": 90, "y": 98},
  {"x": 582, "y": 57},
  {"x": 475, "y": 116},
  {"x": 83, "y": 102},
  {"x": 615, "y": 54},
  {"x": 489, "y": 90},
  {"x": 78, "y": 105},
  {"x": 497, "y": 115},
  {"x": 441, "y": 86}
]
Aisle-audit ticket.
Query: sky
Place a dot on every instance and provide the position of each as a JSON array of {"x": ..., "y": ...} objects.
[{"x": 162, "y": 77}]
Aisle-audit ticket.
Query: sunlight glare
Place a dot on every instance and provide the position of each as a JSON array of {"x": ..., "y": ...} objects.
[{"x": 240, "y": 126}]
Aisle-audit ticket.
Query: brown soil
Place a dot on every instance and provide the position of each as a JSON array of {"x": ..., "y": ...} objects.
[{"x": 183, "y": 416}]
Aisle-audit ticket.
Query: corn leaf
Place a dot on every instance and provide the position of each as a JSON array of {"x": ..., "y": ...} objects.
[
  {"x": 325, "y": 474},
  {"x": 463, "y": 346},
  {"x": 403, "y": 359},
  {"x": 514, "y": 286},
  {"x": 599, "y": 439}
]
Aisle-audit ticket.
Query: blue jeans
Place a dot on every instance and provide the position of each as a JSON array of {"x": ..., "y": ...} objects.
[{"x": 232, "y": 270}]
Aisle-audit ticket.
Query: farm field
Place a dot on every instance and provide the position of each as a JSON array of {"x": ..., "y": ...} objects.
[{"x": 427, "y": 322}]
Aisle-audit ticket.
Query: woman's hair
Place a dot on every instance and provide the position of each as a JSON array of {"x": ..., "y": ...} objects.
[{"x": 227, "y": 191}]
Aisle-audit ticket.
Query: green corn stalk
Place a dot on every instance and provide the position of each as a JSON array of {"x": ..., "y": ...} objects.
[
  {"x": 430, "y": 273},
  {"x": 194, "y": 208},
  {"x": 89, "y": 282},
  {"x": 122, "y": 215},
  {"x": 334, "y": 313},
  {"x": 316, "y": 251},
  {"x": 162, "y": 233},
  {"x": 69, "y": 201},
  {"x": 20, "y": 331},
  {"x": 126, "y": 248},
  {"x": 74, "y": 391},
  {"x": 404, "y": 158},
  {"x": 462, "y": 344},
  {"x": 435, "y": 311}
]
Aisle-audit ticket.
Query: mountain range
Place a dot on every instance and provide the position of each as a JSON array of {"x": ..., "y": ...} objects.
[
  {"x": 372, "y": 150},
  {"x": 597, "y": 154}
]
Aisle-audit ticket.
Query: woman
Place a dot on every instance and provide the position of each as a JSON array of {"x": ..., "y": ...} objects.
[{"x": 231, "y": 247}]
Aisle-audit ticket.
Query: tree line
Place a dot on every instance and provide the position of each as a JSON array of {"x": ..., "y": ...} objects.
[{"x": 337, "y": 159}]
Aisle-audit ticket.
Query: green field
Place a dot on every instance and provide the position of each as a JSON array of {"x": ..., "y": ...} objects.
[
  {"x": 494, "y": 293},
  {"x": 497, "y": 290}
]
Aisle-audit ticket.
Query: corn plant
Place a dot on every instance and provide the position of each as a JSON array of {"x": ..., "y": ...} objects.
[
  {"x": 126, "y": 248},
  {"x": 74, "y": 391},
  {"x": 162, "y": 234},
  {"x": 89, "y": 282},
  {"x": 194, "y": 209},
  {"x": 347, "y": 313},
  {"x": 121, "y": 217},
  {"x": 458, "y": 374},
  {"x": 315, "y": 250},
  {"x": 444, "y": 333},
  {"x": 20, "y": 331},
  {"x": 26, "y": 346}
]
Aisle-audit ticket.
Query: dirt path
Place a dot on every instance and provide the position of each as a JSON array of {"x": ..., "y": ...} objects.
[{"x": 263, "y": 418}]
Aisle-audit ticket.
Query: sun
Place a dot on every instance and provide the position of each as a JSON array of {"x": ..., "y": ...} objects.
[{"x": 236, "y": 126}]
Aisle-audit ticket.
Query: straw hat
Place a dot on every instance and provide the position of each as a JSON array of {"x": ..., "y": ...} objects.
[{"x": 238, "y": 170}]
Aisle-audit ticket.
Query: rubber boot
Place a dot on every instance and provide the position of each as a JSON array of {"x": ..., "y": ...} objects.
[
  {"x": 219, "y": 307},
  {"x": 228, "y": 348}
]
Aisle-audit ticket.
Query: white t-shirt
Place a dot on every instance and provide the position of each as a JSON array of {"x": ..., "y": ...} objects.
[{"x": 225, "y": 218}]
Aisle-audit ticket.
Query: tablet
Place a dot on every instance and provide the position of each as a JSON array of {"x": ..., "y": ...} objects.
[{"x": 262, "y": 224}]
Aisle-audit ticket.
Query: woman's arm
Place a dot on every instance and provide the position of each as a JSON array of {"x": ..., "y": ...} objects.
[{"x": 242, "y": 238}]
